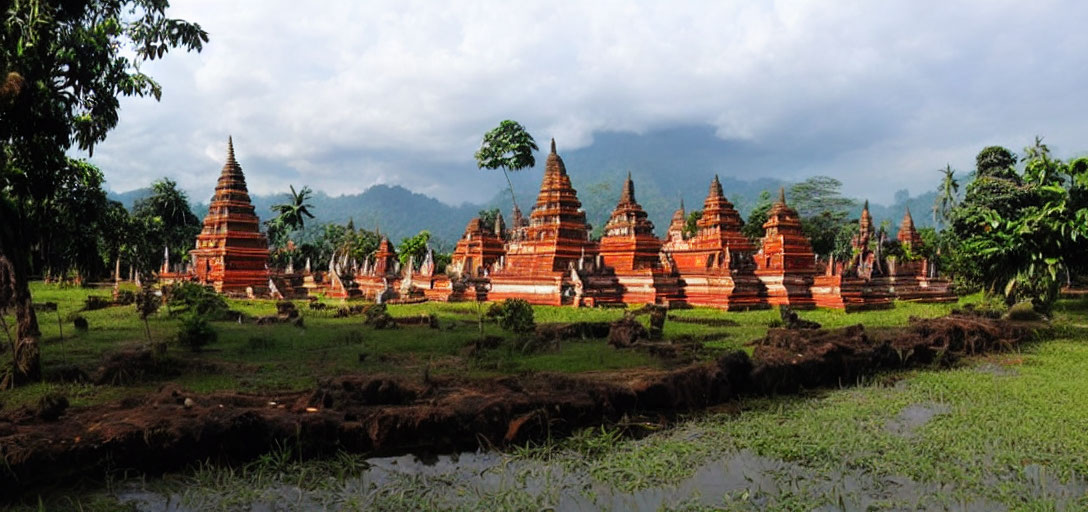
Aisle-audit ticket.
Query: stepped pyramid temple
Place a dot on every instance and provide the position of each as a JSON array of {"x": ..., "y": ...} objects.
[
  {"x": 542, "y": 259},
  {"x": 231, "y": 253},
  {"x": 786, "y": 263},
  {"x": 632, "y": 269},
  {"x": 551, "y": 259},
  {"x": 715, "y": 266}
]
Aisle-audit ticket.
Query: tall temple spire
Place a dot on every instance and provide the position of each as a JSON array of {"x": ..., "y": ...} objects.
[
  {"x": 716, "y": 188},
  {"x": 628, "y": 190},
  {"x": 782, "y": 195},
  {"x": 553, "y": 146},
  {"x": 231, "y": 252}
]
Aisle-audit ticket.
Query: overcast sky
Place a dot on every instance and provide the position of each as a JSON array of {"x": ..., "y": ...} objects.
[{"x": 341, "y": 95}]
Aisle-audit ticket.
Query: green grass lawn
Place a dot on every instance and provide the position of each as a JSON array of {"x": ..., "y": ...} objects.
[{"x": 249, "y": 357}]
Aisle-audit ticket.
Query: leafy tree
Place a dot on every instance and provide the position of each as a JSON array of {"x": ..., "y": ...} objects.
[
  {"x": 415, "y": 246},
  {"x": 691, "y": 224},
  {"x": 992, "y": 192},
  {"x": 947, "y": 193},
  {"x": 753, "y": 228},
  {"x": 177, "y": 225},
  {"x": 823, "y": 211},
  {"x": 508, "y": 147},
  {"x": 115, "y": 237},
  {"x": 488, "y": 218},
  {"x": 1019, "y": 235},
  {"x": 292, "y": 214},
  {"x": 71, "y": 223},
  {"x": 820, "y": 195},
  {"x": 63, "y": 67},
  {"x": 996, "y": 162}
]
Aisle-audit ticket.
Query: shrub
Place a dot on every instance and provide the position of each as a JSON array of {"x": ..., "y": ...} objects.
[
  {"x": 195, "y": 332},
  {"x": 516, "y": 316},
  {"x": 192, "y": 297},
  {"x": 93, "y": 302}
]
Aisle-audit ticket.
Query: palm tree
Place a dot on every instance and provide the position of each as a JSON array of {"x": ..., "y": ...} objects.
[
  {"x": 508, "y": 147},
  {"x": 946, "y": 196},
  {"x": 292, "y": 215}
]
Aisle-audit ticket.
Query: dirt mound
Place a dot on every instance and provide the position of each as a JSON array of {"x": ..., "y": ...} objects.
[
  {"x": 133, "y": 365},
  {"x": 709, "y": 322},
  {"x": 576, "y": 330},
  {"x": 789, "y": 360},
  {"x": 626, "y": 331},
  {"x": 386, "y": 415}
]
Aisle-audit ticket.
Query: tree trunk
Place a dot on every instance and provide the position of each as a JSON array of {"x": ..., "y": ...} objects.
[
  {"x": 511, "y": 185},
  {"x": 27, "y": 358}
]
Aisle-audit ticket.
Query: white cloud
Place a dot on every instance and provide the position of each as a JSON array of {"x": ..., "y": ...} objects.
[{"x": 341, "y": 95}]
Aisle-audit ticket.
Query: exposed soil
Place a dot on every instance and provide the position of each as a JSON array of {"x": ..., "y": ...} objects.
[{"x": 391, "y": 415}]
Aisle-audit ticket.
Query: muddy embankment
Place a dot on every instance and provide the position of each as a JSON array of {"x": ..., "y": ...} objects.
[{"x": 382, "y": 415}]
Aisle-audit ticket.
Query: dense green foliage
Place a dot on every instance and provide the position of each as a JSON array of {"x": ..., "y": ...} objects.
[
  {"x": 508, "y": 147},
  {"x": 290, "y": 216},
  {"x": 63, "y": 66},
  {"x": 1021, "y": 233},
  {"x": 824, "y": 213},
  {"x": 414, "y": 248},
  {"x": 187, "y": 297},
  {"x": 753, "y": 227},
  {"x": 194, "y": 331},
  {"x": 515, "y": 315},
  {"x": 161, "y": 220}
]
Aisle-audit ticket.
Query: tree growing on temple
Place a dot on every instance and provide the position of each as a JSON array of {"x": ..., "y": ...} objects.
[
  {"x": 508, "y": 147},
  {"x": 63, "y": 66}
]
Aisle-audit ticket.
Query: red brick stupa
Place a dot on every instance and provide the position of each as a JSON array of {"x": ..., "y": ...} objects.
[
  {"x": 540, "y": 266},
  {"x": 479, "y": 248},
  {"x": 786, "y": 263},
  {"x": 715, "y": 266},
  {"x": 231, "y": 252},
  {"x": 908, "y": 236},
  {"x": 631, "y": 254}
]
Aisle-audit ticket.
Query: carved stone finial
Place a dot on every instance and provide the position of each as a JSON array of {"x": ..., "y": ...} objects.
[
  {"x": 553, "y": 145},
  {"x": 782, "y": 195},
  {"x": 628, "y": 190}
]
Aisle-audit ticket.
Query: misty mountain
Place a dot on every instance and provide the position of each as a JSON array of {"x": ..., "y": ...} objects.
[{"x": 656, "y": 161}]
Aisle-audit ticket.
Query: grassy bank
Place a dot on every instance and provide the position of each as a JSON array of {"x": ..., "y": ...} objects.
[{"x": 282, "y": 357}]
